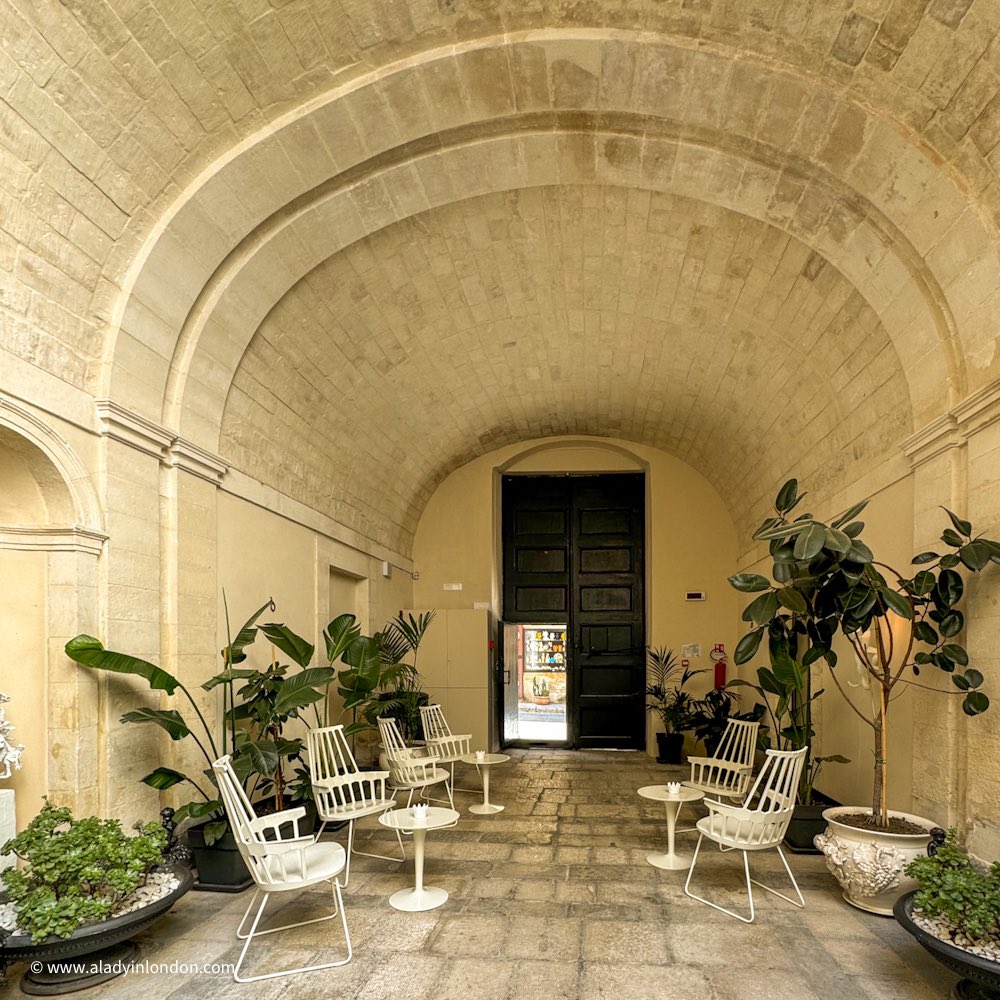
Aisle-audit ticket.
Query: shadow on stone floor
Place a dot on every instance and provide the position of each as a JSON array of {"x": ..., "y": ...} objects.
[{"x": 551, "y": 898}]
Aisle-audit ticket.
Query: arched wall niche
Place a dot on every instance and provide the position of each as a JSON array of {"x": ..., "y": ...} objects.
[{"x": 50, "y": 539}]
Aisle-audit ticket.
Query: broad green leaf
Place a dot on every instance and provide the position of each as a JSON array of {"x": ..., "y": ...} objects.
[
  {"x": 782, "y": 531},
  {"x": 925, "y": 632},
  {"x": 849, "y": 514},
  {"x": 164, "y": 777},
  {"x": 831, "y": 658},
  {"x": 964, "y": 527},
  {"x": 860, "y": 553},
  {"x": 949, "y": 588},
  {"x": 974, "y": 677},
  {"x": 762, "y": 609},
  {"x": 228, "y": 676},
  {"x": 976, "y": 555},
  {"x": 925, "y": 557},
  {"x": 854, "y": 529},
  {"x": 951, "y": 537},
  {"x": 746, "y": 648},
  {"x": 302, "y": 689},
  {"x": 787, "y": 496},
  {"x": 837, "y": 541},
  {"x": 951, "y": 623},
  {"x": 949, "y": 561},
  {"x": 810, "y": 542},
  {"x": 923, "y": 582},
  {"x": 339, "y": 634},
  {"x": 363, "y": 656},
  {"x": 749, "y": 583},
  {"x": 784, "y": 667},
  {"x": 955, "y": 653},
  {"x": 834, "y": 758},
  {"x": 167, "y": 719},
  {"x": 975, "y": 703},
  {"x": 897, "y": 603},
  {"x": 90, "y": 652},
  {"x": 198, "y": 810},
  {"x": 261, "y": 755},
  {"x": 813, "y": 654},
  {"x": 289, "y": 642},
  {"x": 213, "y": 831},
  {"x": 790, "y": 598},
  {"x": 770, "y": 683},
  {"x": 961, "y": 681},
  {"x": 784, "y": 572}
]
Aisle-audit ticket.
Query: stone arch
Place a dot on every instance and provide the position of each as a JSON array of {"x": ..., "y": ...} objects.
[
  {"x": 529, "y": 77},
  {"x": 50, "y": 539}
]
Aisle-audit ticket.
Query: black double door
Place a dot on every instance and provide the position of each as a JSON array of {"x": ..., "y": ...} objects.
[{"x": 573, "y": 550}]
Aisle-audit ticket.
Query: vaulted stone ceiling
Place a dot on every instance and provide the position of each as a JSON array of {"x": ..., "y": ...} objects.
[{"x": 351, "y": 244}]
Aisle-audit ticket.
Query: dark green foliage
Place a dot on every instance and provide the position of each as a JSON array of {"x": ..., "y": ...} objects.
[
  {"x": 76, "y": 871},
  {"x": 827, "y": 582},
  {"x": 952, "y": 888},
  {"x": 665, "y": 692}
]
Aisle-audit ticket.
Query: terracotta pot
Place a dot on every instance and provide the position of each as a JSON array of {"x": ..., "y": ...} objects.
[{"x": 869, "y": 864}]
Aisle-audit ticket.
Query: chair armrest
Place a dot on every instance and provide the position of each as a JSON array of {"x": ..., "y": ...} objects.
[
  {"x": 416, "y": 769},
  {"x": 274, "y": 820},
  {"x": 360, "y": 778}
]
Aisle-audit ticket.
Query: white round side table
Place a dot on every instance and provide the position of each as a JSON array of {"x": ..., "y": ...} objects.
[
  {"x": 673, "y": 801},
  {"x": 420, "y": 897},
  {"x": 483, "y": 763}
]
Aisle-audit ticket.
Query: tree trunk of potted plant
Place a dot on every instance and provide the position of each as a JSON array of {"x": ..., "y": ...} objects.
[{"x": 827, "y": 582}]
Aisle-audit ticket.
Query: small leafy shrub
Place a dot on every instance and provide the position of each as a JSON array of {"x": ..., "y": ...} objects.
[
  {"x": 76, "y": 871},
  {"x": 952, "y": 888}
]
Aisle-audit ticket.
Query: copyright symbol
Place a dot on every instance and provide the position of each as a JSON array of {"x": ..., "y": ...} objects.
[{"x": 36, "y": 966}]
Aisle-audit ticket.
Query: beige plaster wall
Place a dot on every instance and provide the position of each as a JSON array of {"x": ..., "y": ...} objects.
[
  {"x": 691, "y": 543},
  {"x": 23, "y": 675}
]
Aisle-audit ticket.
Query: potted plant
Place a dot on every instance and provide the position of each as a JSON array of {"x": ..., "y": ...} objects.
[
  {"x": 787, "y": 702},
  {"x": 827, "y": 583},
  {"x": 400, "y": 690},
  {"x": 710, "y": 714},
  {"x": 670, "y": 702},
  {"x": 539, "y": 690},
  {"x": 255, "y": 704},
  {"x": 955, "y": 915},
  {"x": 83, "y": 889}
]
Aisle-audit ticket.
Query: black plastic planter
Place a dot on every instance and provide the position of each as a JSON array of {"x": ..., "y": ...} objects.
[
  {"x": 807, "y": 821},
  {"x": 220, "y": 866},
  {"x": 670, "y": 748}
]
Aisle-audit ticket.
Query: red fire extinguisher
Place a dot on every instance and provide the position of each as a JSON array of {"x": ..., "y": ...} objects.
[{"x": 718, "y": 657}]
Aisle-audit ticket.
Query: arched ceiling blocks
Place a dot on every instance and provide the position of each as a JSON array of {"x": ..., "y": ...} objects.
[{"x": 546, "y": 108}]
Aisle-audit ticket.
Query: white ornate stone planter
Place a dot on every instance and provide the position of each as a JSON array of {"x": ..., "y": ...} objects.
[{"x": 869, "y": 864}]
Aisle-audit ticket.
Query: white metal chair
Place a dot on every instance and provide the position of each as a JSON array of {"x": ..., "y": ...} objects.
[
  {"x": 278, "y": 864},
  {"x": 446, "y": 746},
  {"x": 342, "y": 791},
  {"x": 729, "y": 770},
  {"x": 758, "y": 825},
  {"x": 411, "y": 769}
]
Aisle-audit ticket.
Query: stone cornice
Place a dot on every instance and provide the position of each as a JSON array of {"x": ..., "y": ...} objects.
[
  {"x": 954, "y": 428},
  {"x": 190, "y": 458},
  {"x": 119, "y": 424},
  {"x": 31, "y": 538},
  {"x": 980, "y": 410}
]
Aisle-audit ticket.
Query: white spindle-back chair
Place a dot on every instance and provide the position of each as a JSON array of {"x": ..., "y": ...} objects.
[
  {"x": 729, "y": 770},
  {"x": 411, "y": 769},
  {"x": 445, "y": 745}
]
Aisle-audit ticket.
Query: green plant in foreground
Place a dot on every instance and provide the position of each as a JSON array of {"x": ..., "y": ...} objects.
[
  {"x": 827, "y": 581},
  {"x": 76, "y": 871},
  {"x": 953, "y": 889}
]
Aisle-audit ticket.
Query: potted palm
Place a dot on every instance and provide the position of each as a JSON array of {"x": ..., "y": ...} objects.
[
  {"x": 826, "y": 582},
  {"x": 669, "y": 701}
]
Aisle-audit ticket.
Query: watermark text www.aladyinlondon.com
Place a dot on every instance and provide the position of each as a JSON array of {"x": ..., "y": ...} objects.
[{"x": 94, "y": 968}]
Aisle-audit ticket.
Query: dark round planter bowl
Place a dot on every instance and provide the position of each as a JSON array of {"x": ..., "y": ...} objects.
[
  {"x": 981, "y": 976},
  {"x": 103, "y": 947}
]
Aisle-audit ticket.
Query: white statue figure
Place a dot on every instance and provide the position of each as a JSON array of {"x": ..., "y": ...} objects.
[{"x": 10, "y": 755}]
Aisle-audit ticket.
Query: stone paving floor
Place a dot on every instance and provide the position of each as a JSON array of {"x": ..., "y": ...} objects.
[{"x": 552, "y": 898}]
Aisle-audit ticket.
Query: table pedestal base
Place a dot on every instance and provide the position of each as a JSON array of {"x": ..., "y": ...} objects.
[
  {"x": 485, "y": 808},
  {"x": 415, "y": 900},
  {"x": 672, "y": 862}
]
